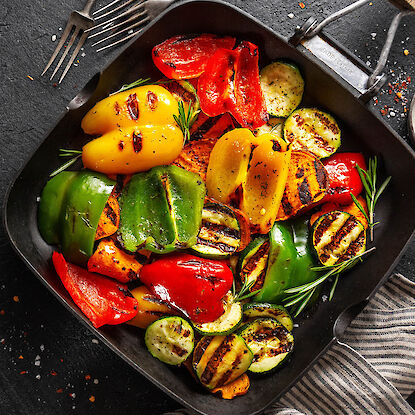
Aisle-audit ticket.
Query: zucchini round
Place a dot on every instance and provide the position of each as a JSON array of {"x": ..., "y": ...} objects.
[
  {"x": 273, "y": 126},
  {"x": 219, "y": 360},
  {"x": 226, "y": 323},
  {"x": 263, "y": 310},
  {"x": 269, "y": 341},
  {"x": 219, "y": 235},
  {"x": 283, "y": 87},
  {"x": 253, "y": 263},
  {"x": 312, "y": 130},
  {"x": 337, "y": 237},
  {"x": 170, "y": 339}
]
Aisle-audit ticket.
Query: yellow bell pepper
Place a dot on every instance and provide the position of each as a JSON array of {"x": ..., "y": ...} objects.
[
  {"x": 137, "y": 131},
  {"x": 258, "y": 166}
]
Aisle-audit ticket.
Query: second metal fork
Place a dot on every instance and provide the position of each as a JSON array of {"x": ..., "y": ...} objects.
[{"x": 79, "y": 22}]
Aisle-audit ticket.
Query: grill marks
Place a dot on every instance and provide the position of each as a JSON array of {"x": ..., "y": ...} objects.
[
  {"x": 338, "y": 236},
  {"x": 137, "y": 141},
  {"x": 132, "y": 106},
  {"x": 219, "y": 232},
  {"x": 152, "y": 100},
  {"x": 255, "y": 266},
  {"x": 219, "y": 360}
]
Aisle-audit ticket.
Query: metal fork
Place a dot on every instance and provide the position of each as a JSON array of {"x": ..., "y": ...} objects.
[
  {"x": 137, "y": 14},
  {"x": 80, "y": 21}
]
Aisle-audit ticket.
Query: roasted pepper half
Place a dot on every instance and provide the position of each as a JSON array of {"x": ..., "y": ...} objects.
[
  {"x": 289, "y": 262},
  {"x": 137, "y": 131},
  {"x": 161, "y": 210},
  {"x": 256, "y": 165},
  {"x": 69, "y": 211}
]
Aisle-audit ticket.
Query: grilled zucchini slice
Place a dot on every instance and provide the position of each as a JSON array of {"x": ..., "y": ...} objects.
[
  {"x": 337, "y": 237},
  {"x": 219, "y": 360},
  {"x": 273, "y": 126},
  {"x": 253, "y": 263},
  {"x": 269, "y": 341},
  {"x": 219, "y": 235},
  {"x": 283, "y": 87},
  {"x": 170, "y": 339},
  {"x": 266, "y": 310},
  {"x": 226, "y": 323},
  {"x": 312, "y": 130}
]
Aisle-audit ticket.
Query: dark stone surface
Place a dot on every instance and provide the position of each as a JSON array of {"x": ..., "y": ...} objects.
[{"x": 33, "y": 324}]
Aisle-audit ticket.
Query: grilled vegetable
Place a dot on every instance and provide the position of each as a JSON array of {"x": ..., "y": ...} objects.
[
  {"x": 70, "y": 208},
  {"x": 149, "y": 308},
  {"x": 264, "y": 310},
  {"x": 269, "y": 341},
  {"x": 211, "y": 127},
  {"x": 109, "y": 219},
  {"x": 137, "y": 131},
  {"x": 351, "y": 208},
  {"x": 283, "y": 87},
  {"x": 312, "y": 130},
  {"x": 218, "y": 360},
  {"x": 184, "y": 57},
  {"x": 195, "y": 156},
  {"x": 273, "y": 126},
  {"x": 226, "y": 323},
  {"x": 113, "y": 262},
  {"x": 101, "y": 299},
  {"x": 343, "y": 177},
  {"x": 236, "y": 388},
  {"x": 161, "y": 210},
  {"x": 193, "y": 285},
  {"x": 220, "y": 233},
  {"x": 307, "y": 183},
  {"x": 290, "y": 260},
  {"x": 253, "y": 262},
  {"x": 170, "y": 339},
  {"x": 337, "y": 237}
]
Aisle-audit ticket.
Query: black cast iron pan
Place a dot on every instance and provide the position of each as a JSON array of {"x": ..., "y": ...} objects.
[{"x": 362, "y": 131}]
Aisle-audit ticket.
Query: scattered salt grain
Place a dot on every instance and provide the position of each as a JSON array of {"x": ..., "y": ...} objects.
[
  {"x": 38, "y": 377},
  {"x": 95, "y": 341},
  {"x": 291, "y": 15},
  {"x": 96, "y": 381},
  {"x": 83, "y": 54},
  {"x": 392, "y": 113},
  {"x": 324, "y": 298},
  {"x": 37, "y": 362},
  {"x": 373, "y": 35},
  {"x": 53, "y": 38},
  {"x": 296, "y": 325},
  {"x": 42, "y": 347}
]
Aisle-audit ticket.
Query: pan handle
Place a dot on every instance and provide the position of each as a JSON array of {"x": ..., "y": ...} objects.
[{"x": 365, "y": 82}]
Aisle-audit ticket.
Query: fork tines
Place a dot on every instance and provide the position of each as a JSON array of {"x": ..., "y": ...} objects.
[{"x": 122, "y": 20}]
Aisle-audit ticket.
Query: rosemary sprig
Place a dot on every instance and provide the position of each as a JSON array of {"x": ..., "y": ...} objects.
[
  {"x": 185, "y": 119},
  {"x": 369, "y": 178},
  {"x": 138, "y": 82},
  {"x": 302, "y": 294},
  {"x": 63, "y": 152},
  {"x": 244, "y": 292}
]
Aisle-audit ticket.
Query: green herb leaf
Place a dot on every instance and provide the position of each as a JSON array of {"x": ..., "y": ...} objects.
[
  {"x": 333, "y": 287},
  {"x": 360, "y": 207},
  {"x": 138, "y": 82},
  {"x": 65, "y": 166},
  {"x": 185, "y": 119}
]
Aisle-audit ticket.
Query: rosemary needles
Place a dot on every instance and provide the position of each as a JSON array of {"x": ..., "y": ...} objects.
[
  {"x": 63, "y": 152},
  {"x": 185, "y": 119}
]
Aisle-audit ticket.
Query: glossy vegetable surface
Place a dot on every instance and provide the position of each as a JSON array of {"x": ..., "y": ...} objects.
[
  {"x": 137, "y": 131},
  {"x": 102, "y": 300},
  {"x": 193, "y": 285},
  {"x": 161, "y": 210}
]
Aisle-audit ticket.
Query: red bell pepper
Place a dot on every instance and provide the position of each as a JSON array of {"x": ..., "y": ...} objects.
[
  {"x": 191, "y": 284},
  {"x": 215, "y": 86},
  {"x": 343, "y": 176},
  {"x": 102, "y": 300},
  {"x": 184, "y": 57},
  {"x": 249, "y": 107},
  {"x": 230, "y": 82}
]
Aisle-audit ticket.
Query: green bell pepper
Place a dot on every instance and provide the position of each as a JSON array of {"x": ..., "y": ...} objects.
[
  {"x": 70, "y": 207},
  {"x": 161, "y": 210},
  {"x": 290, "y": 260}
]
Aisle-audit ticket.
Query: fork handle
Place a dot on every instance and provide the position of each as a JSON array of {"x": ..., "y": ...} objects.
[{"x": 88, "y": 6}]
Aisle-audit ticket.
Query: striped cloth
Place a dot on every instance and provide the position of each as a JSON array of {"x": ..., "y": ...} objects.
[{"x": 370, "y": 370}]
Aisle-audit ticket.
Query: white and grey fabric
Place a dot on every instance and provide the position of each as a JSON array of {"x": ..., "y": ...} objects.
[{"x": 370, "y": 370}]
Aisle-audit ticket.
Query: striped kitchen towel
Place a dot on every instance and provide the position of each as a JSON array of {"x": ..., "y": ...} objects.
[{"x": 370, "y": 370}]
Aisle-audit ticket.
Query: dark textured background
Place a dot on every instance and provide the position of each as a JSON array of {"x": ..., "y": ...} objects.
[{"x": 71, "y": 365}]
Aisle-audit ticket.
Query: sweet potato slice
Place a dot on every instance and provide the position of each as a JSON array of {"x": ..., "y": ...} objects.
[
  {"x": 211, "y": 127},
  {"x": 352, "y": 209},
  {"x": 195, "y": 156},
  {"x": 307, "y": 183},
  {"x": 112, "y": 261},
  {"x": 236, "y": 388},
  {"x": 109, "y": 219}
]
